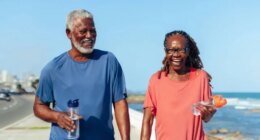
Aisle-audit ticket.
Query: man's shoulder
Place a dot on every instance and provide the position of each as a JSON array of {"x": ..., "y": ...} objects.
[
  {"x": 99, "y": 52},
  {"x": 56, "y": 61},
  {"x": 103, "y": 54}
]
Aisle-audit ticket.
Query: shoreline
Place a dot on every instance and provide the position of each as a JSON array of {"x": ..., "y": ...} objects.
[
  {"x": 135, "y": 98},
  {"x": 224, "y": 133}
]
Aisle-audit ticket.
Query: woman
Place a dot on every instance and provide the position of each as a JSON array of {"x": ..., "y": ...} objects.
[{"x": 172, "y": 91}]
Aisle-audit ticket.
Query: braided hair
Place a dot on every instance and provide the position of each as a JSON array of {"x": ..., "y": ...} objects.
[{"x": 193, "y": 58}]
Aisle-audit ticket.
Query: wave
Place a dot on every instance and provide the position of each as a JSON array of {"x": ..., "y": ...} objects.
[{"x": 247, "y": 103}]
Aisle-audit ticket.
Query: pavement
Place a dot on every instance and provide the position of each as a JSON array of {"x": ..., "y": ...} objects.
[{"x": 32, "y": 128}]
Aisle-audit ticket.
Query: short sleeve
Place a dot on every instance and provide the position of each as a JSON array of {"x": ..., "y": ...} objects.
[
  {"x": 150, "y": 97},
  {"x": 206, "y": 86},
  {"x": 45, "y": 87},
  {"x": 117, "y": 80}
]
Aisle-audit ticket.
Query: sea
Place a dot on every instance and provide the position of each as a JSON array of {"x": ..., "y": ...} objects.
[{"x": 242, "y": 113}]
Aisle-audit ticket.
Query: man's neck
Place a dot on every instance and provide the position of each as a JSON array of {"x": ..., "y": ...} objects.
[{"x": 77, "y": 56}]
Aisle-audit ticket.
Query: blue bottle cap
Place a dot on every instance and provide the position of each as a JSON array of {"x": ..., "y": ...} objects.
[{"x": 73, "y": 103}]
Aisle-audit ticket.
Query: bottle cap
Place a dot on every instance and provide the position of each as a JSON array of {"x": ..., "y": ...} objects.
[{"x": 73, "y": 103}]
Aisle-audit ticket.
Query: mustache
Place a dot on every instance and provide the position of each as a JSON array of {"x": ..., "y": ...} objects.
[{"x": 86, "y": 40}]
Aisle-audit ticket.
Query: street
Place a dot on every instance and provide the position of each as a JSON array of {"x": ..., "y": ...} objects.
[{"x": 19, "y": 107}]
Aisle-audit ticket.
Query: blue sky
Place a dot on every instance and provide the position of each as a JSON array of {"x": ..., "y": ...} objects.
[{"x": 227, "y": 34}]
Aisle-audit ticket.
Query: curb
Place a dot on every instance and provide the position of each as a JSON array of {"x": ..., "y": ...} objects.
[{"x": 17, "y": 122}]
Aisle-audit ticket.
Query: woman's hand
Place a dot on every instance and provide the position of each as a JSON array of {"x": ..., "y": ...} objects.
[{"x": 207, "y": 113}]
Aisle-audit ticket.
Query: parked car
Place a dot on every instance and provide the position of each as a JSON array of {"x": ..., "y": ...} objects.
[{"x": 5, "y": 96}]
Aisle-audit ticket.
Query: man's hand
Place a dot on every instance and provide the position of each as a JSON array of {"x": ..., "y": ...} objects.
[
  {"x": 44, "y": 112},
  {"x": 65, "y": 122}
]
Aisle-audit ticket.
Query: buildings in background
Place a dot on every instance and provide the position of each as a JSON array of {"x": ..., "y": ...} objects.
[{"x": 14, "y": 84}]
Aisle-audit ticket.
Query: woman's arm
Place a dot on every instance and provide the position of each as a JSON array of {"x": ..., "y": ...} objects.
[{"x": 147, "y": 124}]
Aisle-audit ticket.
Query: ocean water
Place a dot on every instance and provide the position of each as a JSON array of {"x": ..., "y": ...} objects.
[{"x": 237, "y": 115}]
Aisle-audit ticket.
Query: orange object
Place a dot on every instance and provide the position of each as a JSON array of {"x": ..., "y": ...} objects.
[{"x": 219, "y": 101}]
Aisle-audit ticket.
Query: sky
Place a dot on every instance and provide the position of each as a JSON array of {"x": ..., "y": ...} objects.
[{"x": 227, "y": 32}]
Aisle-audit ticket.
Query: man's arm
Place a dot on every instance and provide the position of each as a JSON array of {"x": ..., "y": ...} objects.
[
  {"x": 122, "y": 119},
  {"x": 147, "y": 124},
  {"x": 44, "y": 112}
]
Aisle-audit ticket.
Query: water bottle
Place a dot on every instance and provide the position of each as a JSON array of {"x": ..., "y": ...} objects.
[
  {"x": 201, "y": 104},
  {"x": 73, "y": 110},
  {"x": 216, "y": 101}
]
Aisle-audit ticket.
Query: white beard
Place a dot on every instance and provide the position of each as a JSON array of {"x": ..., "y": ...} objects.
[{"x": 81, "y": 49}]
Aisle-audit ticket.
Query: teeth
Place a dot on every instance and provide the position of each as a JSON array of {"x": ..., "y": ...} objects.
[
  {"x": 176, "y": 63},
  {"x": 86, "y": 40}
]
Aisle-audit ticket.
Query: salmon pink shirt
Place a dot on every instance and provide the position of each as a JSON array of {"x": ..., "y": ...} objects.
[{"x": 172, "y": 105}]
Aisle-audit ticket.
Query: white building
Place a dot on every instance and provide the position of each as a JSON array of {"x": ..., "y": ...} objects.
[
  {"x": 27, "y": 80},
  {"x": 7, "y": 79}
]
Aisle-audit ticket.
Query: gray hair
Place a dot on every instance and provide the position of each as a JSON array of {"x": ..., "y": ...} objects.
[{"x": 75, "y": 14}]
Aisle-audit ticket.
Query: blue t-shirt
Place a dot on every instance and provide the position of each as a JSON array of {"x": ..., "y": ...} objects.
[{"x": 97, "y": 83}]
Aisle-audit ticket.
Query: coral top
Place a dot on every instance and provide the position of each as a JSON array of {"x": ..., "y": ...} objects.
[{"x": 172, "y": 105}]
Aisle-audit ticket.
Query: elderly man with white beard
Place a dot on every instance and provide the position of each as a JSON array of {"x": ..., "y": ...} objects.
[{"x": 92, "y": 76}]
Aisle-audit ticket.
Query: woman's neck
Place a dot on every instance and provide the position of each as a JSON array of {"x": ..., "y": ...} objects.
[
  {"x": 180, "y": 75},
  {"x": 180, "y": 71}
]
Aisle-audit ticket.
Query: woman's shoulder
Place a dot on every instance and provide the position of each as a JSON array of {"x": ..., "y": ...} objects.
[
  {"x": 157, "y": 75},
  {"x": 201, "y": 73}
]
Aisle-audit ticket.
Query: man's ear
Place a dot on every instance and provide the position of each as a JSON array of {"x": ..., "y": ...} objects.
[{"x": 68, "y": 32}]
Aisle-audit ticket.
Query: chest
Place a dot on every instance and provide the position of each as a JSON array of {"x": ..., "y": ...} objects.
[{"x": 183, "y": 94}]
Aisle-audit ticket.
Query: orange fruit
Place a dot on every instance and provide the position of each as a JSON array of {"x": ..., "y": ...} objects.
[{"x": 219, "y": 101}]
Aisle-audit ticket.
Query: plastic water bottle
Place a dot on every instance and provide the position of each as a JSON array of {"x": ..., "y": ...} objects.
[
  {"x": 216, "y": 101},
  {"x": 200, "y": 104},
  {"x": 73, "y": 110}
]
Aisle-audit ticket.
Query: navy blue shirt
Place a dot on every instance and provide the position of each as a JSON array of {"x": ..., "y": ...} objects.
[{"x": 97, "y": 83}]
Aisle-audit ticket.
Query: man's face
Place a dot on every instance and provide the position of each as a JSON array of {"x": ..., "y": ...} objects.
[{"x": 83, "y": 35}]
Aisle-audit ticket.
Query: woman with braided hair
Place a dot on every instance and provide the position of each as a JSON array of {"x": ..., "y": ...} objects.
[{"x": 172, "y": 91}]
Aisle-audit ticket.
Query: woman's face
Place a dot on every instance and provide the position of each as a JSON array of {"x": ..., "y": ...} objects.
[{"x": 177, "y": 52}]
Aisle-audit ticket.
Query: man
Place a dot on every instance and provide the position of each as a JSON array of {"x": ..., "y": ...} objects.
[{"x": 93, "y": 76}]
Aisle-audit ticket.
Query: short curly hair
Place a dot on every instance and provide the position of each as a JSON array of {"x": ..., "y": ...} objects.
[{"x": 79, "y": 13}]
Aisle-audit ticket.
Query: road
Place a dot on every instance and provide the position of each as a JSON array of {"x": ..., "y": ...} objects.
[
  {"x": 21, "y": 106},
  {"x": 15, "y": 110}
]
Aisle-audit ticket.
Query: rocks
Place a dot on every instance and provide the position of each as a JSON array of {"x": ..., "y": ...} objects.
[
  {"x": 255, "y": 110},
  {"x": 225, "y": 134},
  {"x": 218, "y": 131}
]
